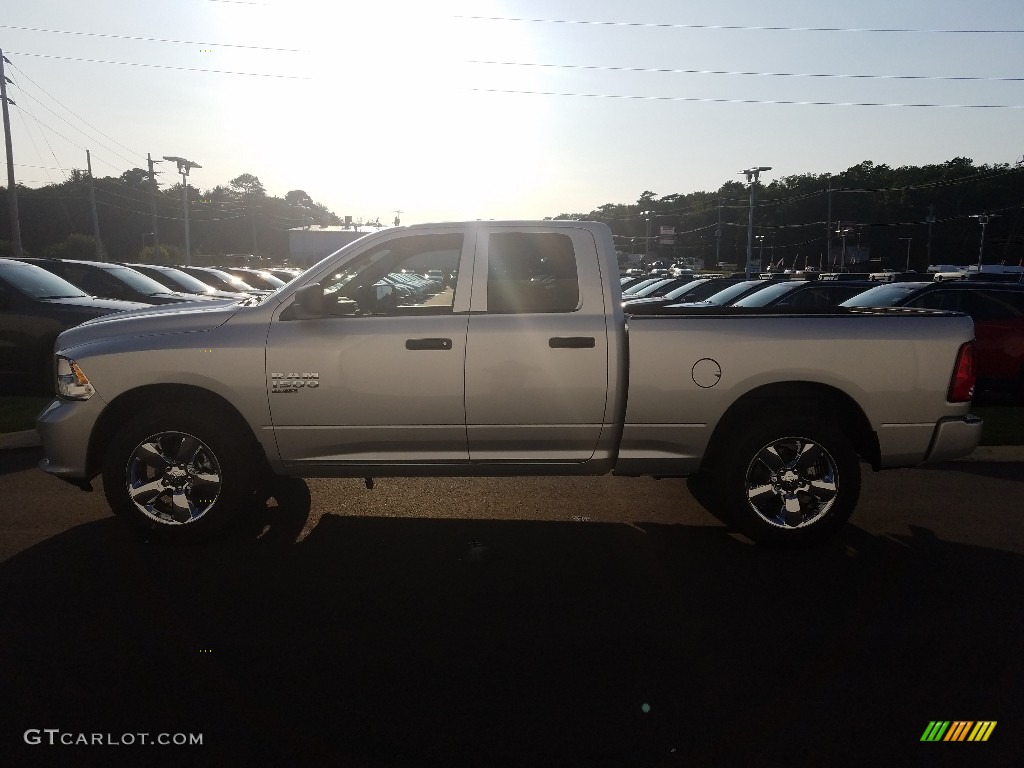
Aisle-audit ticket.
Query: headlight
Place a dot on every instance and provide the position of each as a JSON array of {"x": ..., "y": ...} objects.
[{"x": 72, "y": 383}]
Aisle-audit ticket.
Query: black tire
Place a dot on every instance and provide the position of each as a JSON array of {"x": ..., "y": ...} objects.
[
  {"x": 178, "y": 473},
  {"x": 787, "y": 480}
]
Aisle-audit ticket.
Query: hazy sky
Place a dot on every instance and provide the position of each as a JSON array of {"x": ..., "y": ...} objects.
[{"x": 384, "y": 105}]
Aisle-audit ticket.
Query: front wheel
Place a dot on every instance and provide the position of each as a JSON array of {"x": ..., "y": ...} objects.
[
  {"x": 788, "y": 481},
  {"x": 177, "y": 475}
]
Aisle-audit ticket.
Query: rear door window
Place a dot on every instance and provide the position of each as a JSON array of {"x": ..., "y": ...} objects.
[
  {"x": 531, "y": 272},
  {"x": 949, "y": 300}
]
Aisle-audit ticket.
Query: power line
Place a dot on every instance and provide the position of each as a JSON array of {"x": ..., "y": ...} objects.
[
  {"x": 161, "y": 66},
  {"x": 151, "y": 39},
  {"x": 35, "y": 147},
  {"x": 72, "y": 125},
  {"x": 654, "y": 25},
  {"x": 69, "y": 141},
  {"x": 749, "y": 101},
  {"x": 68, "y": 109},
  {"x": 658, "y": 70}
]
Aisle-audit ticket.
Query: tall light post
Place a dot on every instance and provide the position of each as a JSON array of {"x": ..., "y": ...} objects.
[
  {"x": 647, "y": 237},
  {"x": 752, "y": 174},
  {"x": 908, "y": 239},
  {"x": 843, "y": 232},
  {"x": 983, "y": 219},
  {"x": 760, "y": 253},
  {"x": 184, "y": 166}
]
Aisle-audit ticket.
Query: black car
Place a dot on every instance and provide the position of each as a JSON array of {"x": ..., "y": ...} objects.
[
  {"x": 112, "y": 281},
  {"x": 695, "y": 290},
  {"x": 257, "y": 278},
  {"x": 221, "y": 280},
  {"x": 35, "y": 306},
  {"x": 659, "y": 288},
  {"x": 805, "y": 294},
  {"x": 177, "y": 280},
  {"x": 726, "y": 296}
]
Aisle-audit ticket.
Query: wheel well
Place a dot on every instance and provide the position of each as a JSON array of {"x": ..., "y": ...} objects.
[
  {"x": 124, "y": 406},
  {"x": 806, "y": 398}
]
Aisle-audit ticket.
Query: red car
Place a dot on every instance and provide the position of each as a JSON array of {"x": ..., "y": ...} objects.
[{"x": 998, "y": 312}]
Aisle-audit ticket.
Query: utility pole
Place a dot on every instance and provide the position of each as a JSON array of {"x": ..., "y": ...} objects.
[
  {"x": 908, "y": 239},
  {"x": 752, "y": 174},
  {"x": 930, "y": 220},
  {"x": 398, "y": 220},
  {"x": 12, "y": 188},
  {"x": 828, "y": 224},
  {"x": 92, "y": 201},
  {"x": 152, "y": 201},
  {"x": 252, "y": 217}
]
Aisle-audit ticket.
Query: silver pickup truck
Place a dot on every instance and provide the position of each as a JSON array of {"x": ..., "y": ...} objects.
[{"x": 513, "y": 358}]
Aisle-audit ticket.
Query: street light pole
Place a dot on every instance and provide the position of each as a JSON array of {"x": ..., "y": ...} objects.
[
  {"x": 752, "y": 174},
  {"x": 184, "y": 166},
  {"x": 983, "y": 219},
  {"x": 647, "y": 236},
  {"x": 842, "y": 232}
]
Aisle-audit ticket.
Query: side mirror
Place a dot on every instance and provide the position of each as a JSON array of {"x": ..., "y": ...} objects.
[
  {"x": 377, "y": 298},
  {"x": 309, "y": 302}
]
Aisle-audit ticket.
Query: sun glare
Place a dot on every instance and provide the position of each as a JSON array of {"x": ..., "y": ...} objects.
[{"x": 390, "y": 119}]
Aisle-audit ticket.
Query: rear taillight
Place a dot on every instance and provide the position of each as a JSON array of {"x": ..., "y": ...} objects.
[{"x": 961, "y": 387}]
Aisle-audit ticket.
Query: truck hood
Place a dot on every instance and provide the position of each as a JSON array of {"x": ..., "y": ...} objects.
[{"x": 192, "y": 317}]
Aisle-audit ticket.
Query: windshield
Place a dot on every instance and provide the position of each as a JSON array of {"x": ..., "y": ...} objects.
[
  {"x": 882, "y": 296},
  {"x": 140, "y": 282},
  {"x": 183, "y": 281},
  {"x": 649, "y": 289},
  {"x": 726, "y": 295},
  {"x": 767, "y": 295},
  {"x": 632, "y": 290},
  {"x": 35, "y": 282}
]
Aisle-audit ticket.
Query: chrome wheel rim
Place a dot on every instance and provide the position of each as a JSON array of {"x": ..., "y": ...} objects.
[
  {"x": 792, "y": 483},
  {"x": 173, "y": 478}
]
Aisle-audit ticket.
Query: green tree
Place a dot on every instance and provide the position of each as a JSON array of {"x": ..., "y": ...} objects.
[
  {"x": 248, "y": 185},
  {"x": 79, "y": 247}
]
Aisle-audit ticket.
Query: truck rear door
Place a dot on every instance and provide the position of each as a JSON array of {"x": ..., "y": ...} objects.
[{"x": 537, "y": 349}]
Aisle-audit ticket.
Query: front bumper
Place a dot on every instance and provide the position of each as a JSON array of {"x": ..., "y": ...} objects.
[
  {"x": 65, "y": 427},
  {"x": 955, "y": 438}
]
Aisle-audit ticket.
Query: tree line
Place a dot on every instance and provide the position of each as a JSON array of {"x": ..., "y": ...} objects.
[
  {"x": 879, "y": 211},
  {"x": 237, "y": 217},
  {"x": 876, "y": 210}
]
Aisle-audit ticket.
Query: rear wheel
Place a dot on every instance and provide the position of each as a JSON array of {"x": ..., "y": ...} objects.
[
  {"x": 788, "y": 481},
  {"x": 178, "y": 474}
]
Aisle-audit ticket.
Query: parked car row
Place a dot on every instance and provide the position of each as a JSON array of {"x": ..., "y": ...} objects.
[
  {"x": 35, "y": 306},
  {"x": 40, "y": 297},
  {"x": 996, "y": 306}
]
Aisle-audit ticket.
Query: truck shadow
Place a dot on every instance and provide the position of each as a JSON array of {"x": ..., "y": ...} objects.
[{"x": 384, "y": 641}]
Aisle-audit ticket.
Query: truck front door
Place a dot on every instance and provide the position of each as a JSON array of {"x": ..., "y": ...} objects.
[{"x": 381, "y": 379}]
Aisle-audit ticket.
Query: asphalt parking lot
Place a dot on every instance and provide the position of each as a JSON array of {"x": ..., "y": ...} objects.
[{"x": 537, "y": 621}]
